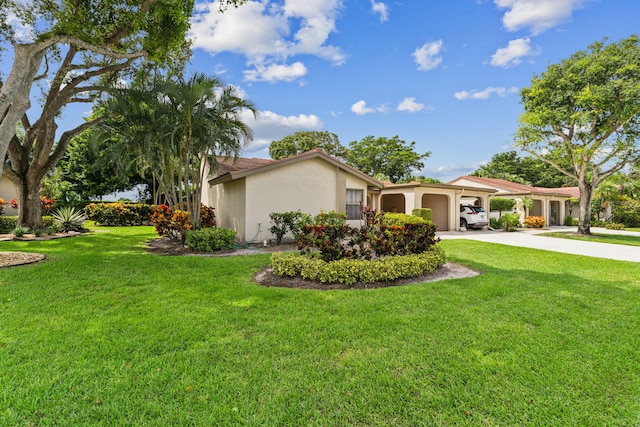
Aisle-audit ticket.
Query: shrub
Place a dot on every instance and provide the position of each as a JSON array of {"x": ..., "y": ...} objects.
[
  {"x": 287, "y": 221},
  {"x": 384, "y": 234},
  {"x": 8, "y": 223},
  {"x": 510, "y": 221},
  {"x": 210, "y": 239},
  {"x": 613, "y": 226},
  {"x": 207, "y": 217},
  {"x": 119, "y": 213},
  {"x": 570, "y": 221},
  {"x": 424, "y": 213},
  {"x": 495, "y": 223},
  {"x": 534, "y": 222},
  {"x": 349, "y": 271},
  {"x": 46, "y": 203},
  {"x": 627, "y": 211},
  {"x": 13, "y": 203},
  {"x": 20, "y": 231},
  {"x": 2, "y": 203},
  {"x": 69, "y": 219}
]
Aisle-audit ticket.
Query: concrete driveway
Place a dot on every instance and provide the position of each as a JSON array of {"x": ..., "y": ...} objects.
[{"x": 528, "y": 239}]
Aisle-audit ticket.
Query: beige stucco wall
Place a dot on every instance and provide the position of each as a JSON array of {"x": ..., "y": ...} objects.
[
  {"x": 8, "y": 192},
  {"x": 229, "y": 201}
]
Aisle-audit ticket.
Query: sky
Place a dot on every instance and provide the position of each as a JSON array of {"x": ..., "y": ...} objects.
[{"x": 445, "y": 74}]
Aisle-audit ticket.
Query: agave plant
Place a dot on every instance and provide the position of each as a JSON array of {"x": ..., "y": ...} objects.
[{"x": 69, "y": 219}]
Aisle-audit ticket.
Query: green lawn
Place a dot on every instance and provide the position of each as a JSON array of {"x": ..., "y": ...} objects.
[
  {"x": 104, "y": 334},
  {"x": 597, "y": 237}
]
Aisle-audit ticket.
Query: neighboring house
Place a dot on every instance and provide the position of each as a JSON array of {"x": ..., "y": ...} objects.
[
  {"x": 554, "y": 204},
  {"x": 444, "y": 200},
  {"x": 245, "y": 191},
  {"x": 7, "y": 192}
]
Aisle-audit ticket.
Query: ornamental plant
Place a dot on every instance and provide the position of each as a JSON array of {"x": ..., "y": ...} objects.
[
  {"x": 175, "y": 224},
  {"x": 13, "y": 203},
  {"x": 2, "y": 203},
  {"x": 47, "y": 204},
  {"x": 535, "y": 222},
  {"x": 382, "y": 235}
]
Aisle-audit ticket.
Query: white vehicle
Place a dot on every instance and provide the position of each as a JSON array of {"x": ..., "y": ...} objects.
[{"x": 473, "y": 217}]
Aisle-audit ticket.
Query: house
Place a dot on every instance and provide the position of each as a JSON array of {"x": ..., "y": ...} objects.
[
  {"x": 554, "y": 204},
  {"x": 444, "y": 200},
  {"x": 245, "y": 191}
]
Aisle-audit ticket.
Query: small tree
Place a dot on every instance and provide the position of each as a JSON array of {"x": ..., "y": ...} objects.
[{"x": 501, "y": 204}]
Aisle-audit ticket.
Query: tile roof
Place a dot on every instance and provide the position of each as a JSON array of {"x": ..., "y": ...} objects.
[
  {"x": 514, "y": 187},
  {"x": 229, "y": 164}
]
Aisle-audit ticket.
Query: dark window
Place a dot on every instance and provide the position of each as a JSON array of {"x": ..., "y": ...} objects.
[{"x": 354, "y": 203}]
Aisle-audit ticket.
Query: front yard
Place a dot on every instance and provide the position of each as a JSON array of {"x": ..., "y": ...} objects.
[{"x": 103, "y": 333}]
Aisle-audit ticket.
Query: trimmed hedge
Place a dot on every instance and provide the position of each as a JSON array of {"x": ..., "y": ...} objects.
[
  {"x": 9, "y": 223},
  {"x": 210, "y": 239},
  {"x": 119, "y": 214},
  {"x": 351, "y": 271},
  {"x": 424, "y": 213}
]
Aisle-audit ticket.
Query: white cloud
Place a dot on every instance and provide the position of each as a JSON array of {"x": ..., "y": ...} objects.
[
  {"x": 513, "y": 53},
  {"x": 485, "y": 94},
  {"x": 274, "y": 73},
  {"x": 270, "y": 126},
  {"x": 262, "y": 32},
  {"x": 360, "y": 108},
  {"x": 539, "y": 15},
  {"x": 410, "y": 105},
  {"x": 428, "y": 55},
  {"x": 381, "y": 9}
]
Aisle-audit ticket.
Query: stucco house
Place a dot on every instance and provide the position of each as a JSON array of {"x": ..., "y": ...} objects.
[
  {"x": 245, "y": 191},
  {"x": 554, "y": 204},
  {"x": 443, "y": 199}
]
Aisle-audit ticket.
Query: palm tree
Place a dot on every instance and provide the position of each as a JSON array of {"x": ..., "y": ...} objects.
[{"x": 173, "y": 128}]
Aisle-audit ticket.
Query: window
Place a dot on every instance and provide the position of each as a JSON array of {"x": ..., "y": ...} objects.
[{"x": 354, "y": 202}]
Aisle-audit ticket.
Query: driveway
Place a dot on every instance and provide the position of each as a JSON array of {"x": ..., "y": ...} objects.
[{"x": 528, "y": 239}]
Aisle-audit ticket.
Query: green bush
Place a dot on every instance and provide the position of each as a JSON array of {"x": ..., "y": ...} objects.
[
  {"x": 510, "y": 221},
  {"x": 210, "y": 239},
  {"x": 288, "y": 221},
  {"x": 351, "y": 271},
  {"x": 20, "y": 231},
  {"x": 627, "y": 211},
  {"x": 8, "y": 223},
  {"x": 571, "y": 221},
  {"x": 613, "y": 226},
  {"x": 424, "y": 213},
  {"x": 119, "y": 213}
]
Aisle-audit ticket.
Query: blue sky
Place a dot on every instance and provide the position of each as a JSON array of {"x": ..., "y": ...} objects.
[{"x": 445, "y": 74}]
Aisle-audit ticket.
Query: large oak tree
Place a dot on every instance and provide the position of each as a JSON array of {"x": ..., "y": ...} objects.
[
  {"x": 78, "y": 49},
  {"x": 586, "y": 110}
]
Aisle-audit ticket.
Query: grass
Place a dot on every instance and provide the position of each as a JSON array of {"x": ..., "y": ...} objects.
[
  {"x": 597, "y": 237},
  {"x": 105, "y": 334}
]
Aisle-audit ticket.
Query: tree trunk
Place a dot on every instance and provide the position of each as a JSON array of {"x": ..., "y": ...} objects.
[
  {"x": 29, "y": 204},
  {"x": 15, "y": 92},
  {"x": 584, "y": 220}
]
